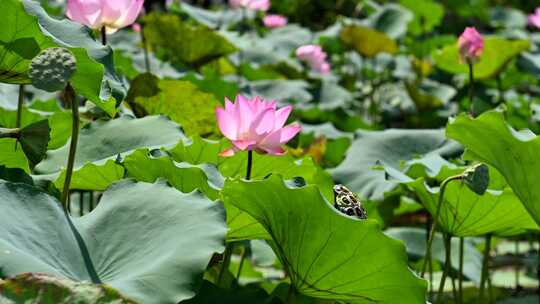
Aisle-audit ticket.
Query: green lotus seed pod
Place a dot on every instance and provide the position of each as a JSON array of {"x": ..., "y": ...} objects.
[
  {"x": 477, "y": 178},
  {"x": 51, "y": 69}
]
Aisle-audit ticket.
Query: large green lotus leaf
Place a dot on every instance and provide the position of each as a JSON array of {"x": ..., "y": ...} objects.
[
  {"x": 327, "y": 254},
  {"x": 172, "y": 237},
  {"x": 104, "y": 140},
  {"x": 93, "y": 177},
  {"x": 415, "y": 240},
  {"x": 393, "y": 148},
  {"x": 514, "y": 154},
  {"x": 286, "y": 166},
  {"x": 42, "y": 288},
  {"x": 200, "y": 151},
  {"x": 185, "y": 177},
  {"x": 184, "y": 43},
  {"x": 241, "y": 225},
  {"x": 27, "y": 29},
  {"x": 428, "y": 14},
  {"x": 197, "y": 150},
  {"x": 182, "y": 101},
  {"x": 368, "y": 42},
  {"x": 465, "y": 213},
  {"x": 20, "y": 40},
  {"x": 497, "y": 54}
]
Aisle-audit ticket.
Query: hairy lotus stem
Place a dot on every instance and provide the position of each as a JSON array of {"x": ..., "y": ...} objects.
[
  {"x": 69, "y": 95},
  {"x": 447, "y": 263},
  {"x": 20, "y": 106},
  {"x": 485, "y": 268},
  {"x": 104, "y": 35},
  {"x": 471, "y": 87},
  {"x": 435, "y": 219}
]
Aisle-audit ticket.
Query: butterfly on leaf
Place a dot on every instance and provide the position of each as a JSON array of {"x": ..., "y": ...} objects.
[{"x": 348, "y": 203}]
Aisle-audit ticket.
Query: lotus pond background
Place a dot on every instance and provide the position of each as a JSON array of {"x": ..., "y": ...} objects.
[{"x": 114, "y": 186}]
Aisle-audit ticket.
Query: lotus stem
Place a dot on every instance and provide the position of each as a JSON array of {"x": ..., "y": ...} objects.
[
  {"x": 104, "y": 35},
  {"x": 471, "y": 87},
  {"x": 9, "y": 133},
  {"x": 69, "y": 95},
  {"x": 538, "y": 268},
  {"x": 81, "y": 203},
  {"x": 20, "y": 106},
  {"x": 461, "y": 254},
  {"x": 500, "y": 89},
  {"x": 485, "y": 270},
  {"x": 454, "y": 289},
  {"x": 249, "y": 164},
  {"x": 20, "y": 103},
  {"x": 225, "y": 264},
  {"x": 435, "y": 219},
  {"x": 291, "y": 295},
  {"x": 447, "y": 263},
  {"x": 242, "y": 259},
  {"x": 428, "y": 227},
  {"x": 145, "y": 50}
]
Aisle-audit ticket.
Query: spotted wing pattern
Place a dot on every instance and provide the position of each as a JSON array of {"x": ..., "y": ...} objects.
[{"x": 346, "y": 202}]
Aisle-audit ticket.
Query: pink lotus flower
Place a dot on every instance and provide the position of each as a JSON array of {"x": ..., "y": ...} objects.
[
  {"x": 255, "y": 5},
  {"x": 315, "y": 57},
  {"x": 255, "y": 124},
  {"x": 111, "y": 14},
  {"x": 471, "y": 45},
  {"x": 534, "y": 19},
  {"x": 274, "y": 21}
]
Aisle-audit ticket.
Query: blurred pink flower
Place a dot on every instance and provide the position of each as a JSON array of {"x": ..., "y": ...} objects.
[
  {"x": 471, "y": 45},
  {"x": 274, "y": 21},
  {"x": 255, "y": 5},
  {"x": 534, "y": 19},
  {"x": 315, "y": 57},
  {"x": 255, "y": 124},
  {"x": 111, "y": 14},
  {"x": 136, "y": 27}
]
